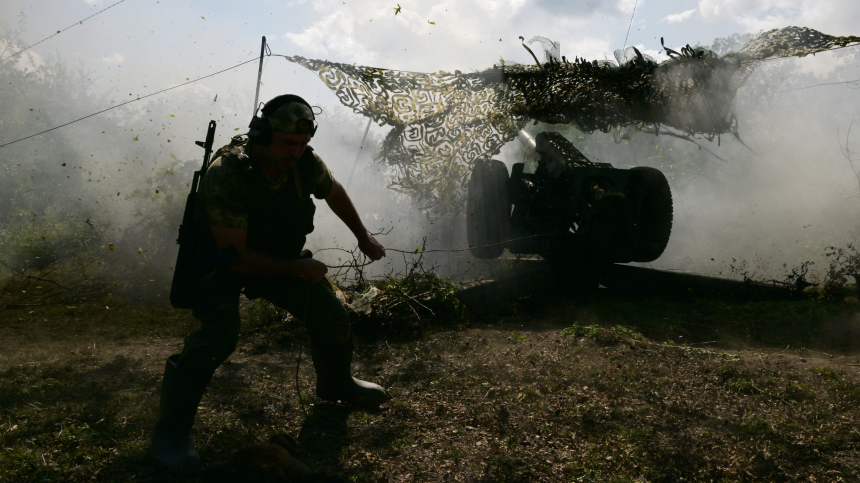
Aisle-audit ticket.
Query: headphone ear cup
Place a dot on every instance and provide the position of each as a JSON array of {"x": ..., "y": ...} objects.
[{"x": 260, "y": 131}]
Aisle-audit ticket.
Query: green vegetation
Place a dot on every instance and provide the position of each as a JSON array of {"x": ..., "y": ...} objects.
[
  {"x": 91, "y": 208},
  {"x": 430, "y": 290}
]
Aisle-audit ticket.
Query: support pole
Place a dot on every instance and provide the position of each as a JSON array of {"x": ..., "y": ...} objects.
[
  {"x": 259, "y": 77},
  {"x": 355, "y": 163}
]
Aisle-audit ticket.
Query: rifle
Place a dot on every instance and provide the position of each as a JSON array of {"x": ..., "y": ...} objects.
[{"x": 190, "y": 262}]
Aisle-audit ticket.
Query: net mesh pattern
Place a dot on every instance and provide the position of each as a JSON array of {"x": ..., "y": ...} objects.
[{"x": 443, "y": 122}]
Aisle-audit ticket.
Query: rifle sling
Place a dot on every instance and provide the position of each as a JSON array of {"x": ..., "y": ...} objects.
[{"x": 297, "y": 179}]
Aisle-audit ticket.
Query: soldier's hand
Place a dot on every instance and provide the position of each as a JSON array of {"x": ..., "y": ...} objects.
[
  {"x": 313, "y": 270},
  {"x": 370, "y": 247}
]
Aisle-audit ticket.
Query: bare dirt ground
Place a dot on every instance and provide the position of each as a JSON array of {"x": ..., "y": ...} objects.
[{"x": 601, "y": 386}]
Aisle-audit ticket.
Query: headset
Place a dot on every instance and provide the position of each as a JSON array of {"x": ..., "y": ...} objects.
[{"x": 261, "y": 131}]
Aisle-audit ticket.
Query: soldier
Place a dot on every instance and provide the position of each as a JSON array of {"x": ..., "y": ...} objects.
[{"x": 256, "y": 197}]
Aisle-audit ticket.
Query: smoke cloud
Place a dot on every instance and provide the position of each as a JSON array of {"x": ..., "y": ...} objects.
[
  {"x": 783, "y": 193},
  {"x": 777, "y": 198}
]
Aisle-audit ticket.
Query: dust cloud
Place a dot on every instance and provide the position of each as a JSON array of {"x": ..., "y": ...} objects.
[
  {"x": 758, "y": 206},
  {"x": 393, "y": 217},
  {"x": 120, "y": 179},
  {"x": 779, "y": 197}
]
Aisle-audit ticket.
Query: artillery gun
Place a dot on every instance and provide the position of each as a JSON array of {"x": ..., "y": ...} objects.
[{"x": 569, "y": 210}]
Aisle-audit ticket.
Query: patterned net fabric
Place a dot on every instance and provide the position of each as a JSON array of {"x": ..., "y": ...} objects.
[
  {"x": 793, "y": 41},
  {"x": 443, "y": 122}
]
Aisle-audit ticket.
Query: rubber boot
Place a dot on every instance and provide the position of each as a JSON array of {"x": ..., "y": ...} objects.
[
  {"x": 172, "y": 445},
  {"x": 335, "y": 382}
]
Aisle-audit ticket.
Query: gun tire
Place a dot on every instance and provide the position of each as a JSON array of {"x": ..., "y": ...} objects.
[
  {"x": 656, "y": 212},
  {"x": 488, "y": 208}
]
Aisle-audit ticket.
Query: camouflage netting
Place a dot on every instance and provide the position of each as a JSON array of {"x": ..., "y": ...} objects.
[{"x": 443, "y": 122}]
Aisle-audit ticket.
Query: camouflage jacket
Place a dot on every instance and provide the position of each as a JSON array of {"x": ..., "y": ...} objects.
[{"x": 278, "y": 216}]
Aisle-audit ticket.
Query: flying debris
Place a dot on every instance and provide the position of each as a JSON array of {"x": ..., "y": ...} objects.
[{"x": 442, "y": 123}]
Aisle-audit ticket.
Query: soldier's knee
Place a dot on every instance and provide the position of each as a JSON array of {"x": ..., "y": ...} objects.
[
  {"x": 209, "y": 347},
  {"x": 221, "y": 348},
  {"x": 330, "y": 321}
]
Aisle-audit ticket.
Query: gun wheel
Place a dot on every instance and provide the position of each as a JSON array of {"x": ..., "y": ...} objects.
[
  {"x": 650, "y": 186},
  {"x": 488, "y": 208}
]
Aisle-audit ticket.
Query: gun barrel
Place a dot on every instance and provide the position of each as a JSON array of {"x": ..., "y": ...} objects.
[
  {"x": 528, "y": 140},
  {"x": 185, "y": 270}
]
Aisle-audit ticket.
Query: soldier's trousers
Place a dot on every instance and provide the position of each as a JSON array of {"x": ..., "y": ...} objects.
[{"x": 325, "y": 318}]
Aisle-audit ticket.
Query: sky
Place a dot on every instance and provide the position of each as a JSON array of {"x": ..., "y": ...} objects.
[{"x": 141, "y": 46}]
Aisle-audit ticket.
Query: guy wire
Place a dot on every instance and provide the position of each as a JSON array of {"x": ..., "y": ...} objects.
[
  {"x": 127, "y": 102},
  {"x": 79, "y": 22},
  {"x": 421, "y": 252},
  {"x": 298, "y": 387},
  {"x": 631, "y": 24},
  {"x": 299, "y": 358},
  {"x": 855, "y": 81}
]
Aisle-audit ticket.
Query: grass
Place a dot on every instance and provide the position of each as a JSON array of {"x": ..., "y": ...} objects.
[
  {"x": 595, "y": 388},
  {"x": 794, "y": 323}
]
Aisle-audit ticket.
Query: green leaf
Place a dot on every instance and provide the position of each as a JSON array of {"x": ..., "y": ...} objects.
[
  {"x": 172, "y": 114},
  {"x": 431, "y": 23},
  {"x": 397, "y": 10}
]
